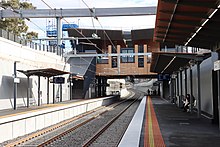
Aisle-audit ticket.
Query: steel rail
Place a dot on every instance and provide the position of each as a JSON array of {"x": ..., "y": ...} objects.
[
  {"x": 59, "y": 125},
  {"x": 104, "y": 128},
  {"x": 49, "y": 141},
  {"x": 44, "y": 131}
]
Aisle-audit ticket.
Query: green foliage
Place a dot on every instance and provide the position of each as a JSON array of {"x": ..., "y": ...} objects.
[
  {"x": 15, "y": 25},
  {"x": 31, "y": 35}
]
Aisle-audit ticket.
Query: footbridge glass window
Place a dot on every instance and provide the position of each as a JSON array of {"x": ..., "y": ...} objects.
[
  {"x": 149, "y": 58},
  {"x": 102, "y": 60},
  {"x": 140, "y": 61},
  {"x": 114, "y": 49},
  {"x": 140, "y": 48},
  {"x": 114, "y": 62},
  {"x": 129, "y": 57}
]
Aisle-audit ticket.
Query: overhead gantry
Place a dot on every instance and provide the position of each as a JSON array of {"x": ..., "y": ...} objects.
[{"x": 79, "y": 12}]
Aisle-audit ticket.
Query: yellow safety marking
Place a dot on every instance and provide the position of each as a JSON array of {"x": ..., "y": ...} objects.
[{"x": 150, "y": 126}]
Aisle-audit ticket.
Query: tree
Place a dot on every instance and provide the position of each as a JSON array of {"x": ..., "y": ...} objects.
[
  {"x": 15, "y": 25},
  {"x": 31, "y": 35}
]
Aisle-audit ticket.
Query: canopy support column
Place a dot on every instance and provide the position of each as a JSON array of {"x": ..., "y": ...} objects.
[
  {"x": 53, "y": 92},
  {"x": 191, "y": 90},
  {"x": 181, "y": 89},
  {"x": 38, "y": 90},
  {"x": 60, "y": 92},
  {"x": 48, "y": 90},
  {"x": 199, "y": 90},
  {"x": 28, "y": 91}
]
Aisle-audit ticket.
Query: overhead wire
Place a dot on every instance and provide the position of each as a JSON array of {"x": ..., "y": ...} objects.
[
  {"x": 78, "y": 32},
  {"x": 46, "y": 4},
  {"x": 36, "y": 25},
  {"x": 105, "y": 33},
  {"x": 96, "y": 18},
  {"x": 75, "y": 29}
]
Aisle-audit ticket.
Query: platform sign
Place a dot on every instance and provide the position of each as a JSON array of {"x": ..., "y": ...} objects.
[
  {"x": 163, "y": 77},
  {"x": 16, "y": 80},
  {"x": 57, "y": 80},
  {"x": 52, "y": 33},
  {"x": 217, "y": 65},
  {"x": 68, "y": 26}
]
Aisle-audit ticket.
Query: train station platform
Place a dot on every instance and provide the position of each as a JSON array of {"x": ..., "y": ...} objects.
[
  {"x": 15, "y": 123},
  {"x": 164, "y": 124}
]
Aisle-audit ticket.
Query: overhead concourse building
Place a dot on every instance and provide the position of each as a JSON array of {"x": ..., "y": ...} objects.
[{"x": 109, "y": 54}]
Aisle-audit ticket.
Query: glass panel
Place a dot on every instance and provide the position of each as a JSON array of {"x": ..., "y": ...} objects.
[
  {"x": 129, "y": 58},
  {"x": 140, "y": 48},
  {"x": 140, "y": 61},
  {"x": 114, "y": 62},
  {"x": 148, "y": 58}
]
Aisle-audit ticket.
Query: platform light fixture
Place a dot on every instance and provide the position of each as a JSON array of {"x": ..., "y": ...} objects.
[
  {"x": 209, "y": 17},
  {"x": 171, "y": 61}
]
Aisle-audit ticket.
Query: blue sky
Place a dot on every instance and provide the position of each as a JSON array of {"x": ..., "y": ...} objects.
[{"x": 122, "y": 23}]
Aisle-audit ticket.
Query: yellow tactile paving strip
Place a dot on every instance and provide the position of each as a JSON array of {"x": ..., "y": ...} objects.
[{"x": 153, "y": 137}]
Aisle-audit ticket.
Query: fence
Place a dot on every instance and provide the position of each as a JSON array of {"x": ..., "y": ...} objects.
[{"x": 37, "y": 46}]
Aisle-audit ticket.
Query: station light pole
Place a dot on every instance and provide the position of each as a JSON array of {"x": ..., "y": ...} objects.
[{"x": 16, "y": 81}]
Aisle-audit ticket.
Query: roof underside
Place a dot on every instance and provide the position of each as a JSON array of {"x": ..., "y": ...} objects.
[
  {"x": 119, "y": 35},
  {"x": 113, "y": 34},
  {"x": 168, "y": 62},
  {"x": 178, "y": 20},
  {"x": 47, "y": 72}
]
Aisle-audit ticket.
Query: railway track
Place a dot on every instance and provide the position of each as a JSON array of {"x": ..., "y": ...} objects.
[
  {"x": 58, "y": 133},
  {"x": 93, "y": 140}
]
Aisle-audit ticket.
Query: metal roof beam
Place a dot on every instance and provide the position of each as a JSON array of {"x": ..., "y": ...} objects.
[
  {"x": 172, "y": 37},
  {"x": 84, "y": 12},
  {"x": 170, "y": 41},
  {"x": 106, "y": 55},
  {"x": 206, "y": 4},
  {"x": 183, "y": 33},
  {"x": 186, "y": 56},
  {"x": 187, "y": 14},
  {"x": 200, "y": 45},
  {"x": 179, "y": 28},
  {"x": 183, "y": 22}
]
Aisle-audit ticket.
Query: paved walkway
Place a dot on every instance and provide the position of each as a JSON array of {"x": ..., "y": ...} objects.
[{"x": 178, "y": 128}]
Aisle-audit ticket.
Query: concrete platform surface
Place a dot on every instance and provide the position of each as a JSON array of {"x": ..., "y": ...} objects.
[{"x": 183, "y": 129}]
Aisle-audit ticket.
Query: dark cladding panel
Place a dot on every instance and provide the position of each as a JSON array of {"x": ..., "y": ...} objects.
[
  {"x": 144, "y": 34},
  {"x": 112, "y": 34}
]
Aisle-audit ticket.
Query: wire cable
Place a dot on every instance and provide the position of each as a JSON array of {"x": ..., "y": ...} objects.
[
  {"x": 75, "y": 28},
  {"x": 77, "y": 31},
  {"x": 46, "y": 4},
  {"x": 96, "y": 18},
  {"x": 36, "y": 25}
]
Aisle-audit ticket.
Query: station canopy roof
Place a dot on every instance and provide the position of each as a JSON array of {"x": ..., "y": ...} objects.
[
  {"x": 113, "y": 34},
  {"x": 46, "y": 72},
  {"x": 169, "y": 62},
  {"x": 188, "y": 22}
]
